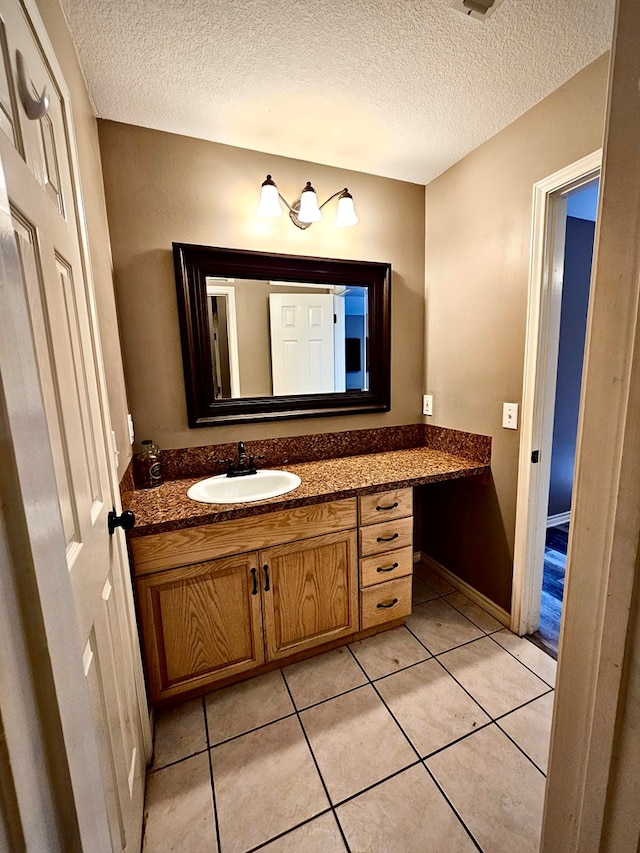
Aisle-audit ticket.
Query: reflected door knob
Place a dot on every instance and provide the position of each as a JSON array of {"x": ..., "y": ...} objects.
[{"x": 125, "y": 521}]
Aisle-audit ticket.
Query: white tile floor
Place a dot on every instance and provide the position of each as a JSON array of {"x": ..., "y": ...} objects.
[{"x": 430, "y": 737}]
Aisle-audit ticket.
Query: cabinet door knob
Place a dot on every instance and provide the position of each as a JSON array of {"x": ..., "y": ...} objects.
[
  {"x": 386, "y": 606},
  {"x": 393, "y": 506},
  {"x": 387, "y": 538},
  {"x": 267, "y": 583},
  {"x": 254, "y": 591},
  {"x": 388, "y": 569}
]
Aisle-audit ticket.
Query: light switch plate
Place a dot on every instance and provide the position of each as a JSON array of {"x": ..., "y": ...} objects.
[
  {"x": 427, "y": 404},
  {"x": 131, "y": 429},
  {"x": 510, "y": 415}
]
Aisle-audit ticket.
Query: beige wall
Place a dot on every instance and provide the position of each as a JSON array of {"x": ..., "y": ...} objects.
[
  {"x": 91, "y": 179},
  {"x": 161, "y": 187},
  {"x": 477, "y": 263}
]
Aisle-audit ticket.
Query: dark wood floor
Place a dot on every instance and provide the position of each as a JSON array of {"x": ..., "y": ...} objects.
[{"x": 555, "y": 559}]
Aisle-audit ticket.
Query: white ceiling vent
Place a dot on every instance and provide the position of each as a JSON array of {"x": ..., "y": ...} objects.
[{"x": 480, "y": 9}]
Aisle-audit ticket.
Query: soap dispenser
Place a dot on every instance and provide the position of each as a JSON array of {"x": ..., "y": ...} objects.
[{"x": 147, "y": 467}]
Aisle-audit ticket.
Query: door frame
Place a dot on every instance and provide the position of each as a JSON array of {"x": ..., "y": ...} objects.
[
  {"x": 539, "y": 384},
  {"x": 229, "y": 293}
]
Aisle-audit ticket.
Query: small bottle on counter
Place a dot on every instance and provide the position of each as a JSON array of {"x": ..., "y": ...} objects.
[{"x": 147, "y": 467}]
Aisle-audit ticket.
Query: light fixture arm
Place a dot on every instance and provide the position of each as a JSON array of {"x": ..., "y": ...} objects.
[
  {"x": 331, "y": 197},
  {"x": 284, "y": 201}
]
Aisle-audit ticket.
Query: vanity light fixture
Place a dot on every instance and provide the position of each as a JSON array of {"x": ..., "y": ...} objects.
[{"x": 306, "y": 209}]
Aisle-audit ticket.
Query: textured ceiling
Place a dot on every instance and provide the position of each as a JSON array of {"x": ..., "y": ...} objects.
[{"x": 402, "y": 89}]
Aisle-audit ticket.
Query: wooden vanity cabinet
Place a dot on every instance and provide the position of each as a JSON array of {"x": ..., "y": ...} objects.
[{"x": 220, "y": 617}]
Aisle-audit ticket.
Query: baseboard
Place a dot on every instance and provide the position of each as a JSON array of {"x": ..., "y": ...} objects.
[
  {"x": 477, "y": 597},
  {"x": 558, "y": 519}
]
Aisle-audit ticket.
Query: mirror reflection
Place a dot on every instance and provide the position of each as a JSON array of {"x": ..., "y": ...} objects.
[{"x": 282, "y": 338}]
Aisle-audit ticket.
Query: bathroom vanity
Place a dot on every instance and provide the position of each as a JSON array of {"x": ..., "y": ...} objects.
[
  {"x": 218, "y": 600},
  {"x": 228, "y": 591}
]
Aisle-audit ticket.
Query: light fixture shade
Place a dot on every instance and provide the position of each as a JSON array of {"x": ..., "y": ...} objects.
[
  {"x": 309, "y": 210},
  {"x": 269, "y": 199},
  {"x": 346, "y": 215}
]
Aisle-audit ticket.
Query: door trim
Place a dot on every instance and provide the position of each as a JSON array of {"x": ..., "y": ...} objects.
[{"x": 539, "y": 384}]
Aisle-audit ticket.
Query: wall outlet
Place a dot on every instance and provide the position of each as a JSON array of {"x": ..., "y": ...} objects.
[
  {"x": 427, "y": 404},
  {"x": 132, "y": 433},
  {"x": 510, "y": 415}
]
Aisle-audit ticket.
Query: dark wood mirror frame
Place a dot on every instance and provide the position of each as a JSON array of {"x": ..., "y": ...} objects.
[{"x": 193, "y": 264}]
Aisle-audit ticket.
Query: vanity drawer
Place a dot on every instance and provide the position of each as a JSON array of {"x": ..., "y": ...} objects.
[
  {"x": 384, "y": 506},
  {"x": 387, "y": 536},
  {"x": 385, "y": 567},
  {"x": 385, "y": 602}
]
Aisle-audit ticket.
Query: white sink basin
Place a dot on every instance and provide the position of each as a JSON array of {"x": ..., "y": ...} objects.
[{"x": 237, "y": 490}]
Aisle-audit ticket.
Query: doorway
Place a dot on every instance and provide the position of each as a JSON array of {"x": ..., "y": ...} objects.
[
  {"x": 581, "y": 211},
  {"x": 562, "y": 236}
]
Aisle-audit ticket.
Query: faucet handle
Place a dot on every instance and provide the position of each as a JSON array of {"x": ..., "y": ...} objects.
[
  {"x": 252, "y": 461},
  {"x": 228, "y": 463}
]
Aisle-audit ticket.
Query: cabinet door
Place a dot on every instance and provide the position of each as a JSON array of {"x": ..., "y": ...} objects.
[
  {"x": 309, "y": 592},
  {"x": 200, "y": 623}
]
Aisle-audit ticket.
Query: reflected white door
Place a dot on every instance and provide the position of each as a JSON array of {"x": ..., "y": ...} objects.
[
  {"x": 302, "y": 358},
  {"x": 38, "y": 158}
]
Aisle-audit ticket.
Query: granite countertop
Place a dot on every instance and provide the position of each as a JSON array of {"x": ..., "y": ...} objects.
[{"x": 167, "y": 507}]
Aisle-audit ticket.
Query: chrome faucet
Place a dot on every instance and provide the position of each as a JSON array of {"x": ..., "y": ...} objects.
[{"x": 244, "y": 465}]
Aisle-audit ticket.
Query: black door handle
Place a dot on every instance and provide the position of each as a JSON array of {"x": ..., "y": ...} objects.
[
  {"x": 386, "y": 606},
  {"x": 254, "y": 591},
  {"x": 125, "y": 521},
  {"x": 267, "y": 585},
  {"x": 387, "y": 538},
  {"x": 393, "y": 506}
]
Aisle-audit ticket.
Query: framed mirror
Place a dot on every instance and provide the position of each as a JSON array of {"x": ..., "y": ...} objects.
[{"x": 267, "y": 336}]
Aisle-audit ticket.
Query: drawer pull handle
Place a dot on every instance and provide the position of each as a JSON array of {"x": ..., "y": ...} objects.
[
  {"x": 389, "y": 569},
  {"x": 386, "y": 606},
  {"x": 267, "y": 585},
  {"x": 254, "y": 591},
  {"x": 387, "y": 538},
  {"x": 393, "y": 506}
]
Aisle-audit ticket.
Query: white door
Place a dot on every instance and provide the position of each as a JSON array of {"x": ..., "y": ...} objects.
[
  {"x": 301, "y": 343},
  {"x": 38, "y": 155}
]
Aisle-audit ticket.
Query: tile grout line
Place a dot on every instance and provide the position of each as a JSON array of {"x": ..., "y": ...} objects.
[
  {"x": 377, "y": 692},
  {"x": 315, "y": 761},
  {"x": 252, "y": 730},
  {"x": 286, "y": 832},
  {"x": 477, "y": 701},
  {"x": 420, "y": 759},
  {"x": 176, "y": 761},
  {"x": 462, "y": 613},
  {"x": 373, "y": 785},
  {"x": 213, "y": 787},
  {"x": 516, "y": 744},
  {"x": 515, "y": 657},
  {"x": 451, "y": 806}
]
